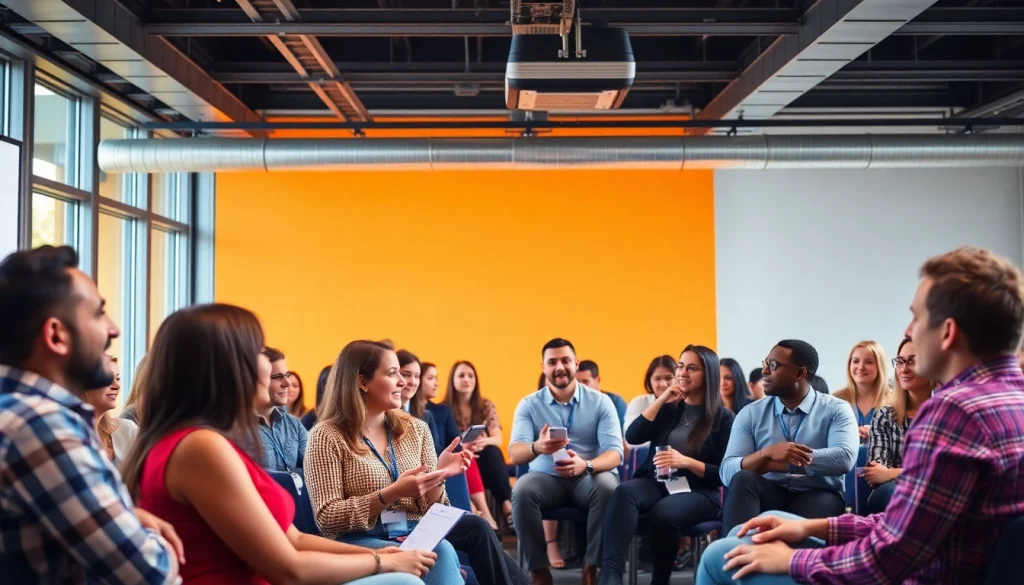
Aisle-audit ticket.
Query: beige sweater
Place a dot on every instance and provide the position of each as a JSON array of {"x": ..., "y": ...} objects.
[{"x": 343, "y": 484}]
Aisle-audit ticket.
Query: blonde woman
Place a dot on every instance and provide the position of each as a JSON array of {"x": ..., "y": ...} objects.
[
  {"x": 116, "y": 435},
  {"x": 867, "y": 383},
  {"x": 373, "y": 472},
  {"x": 885, "y": 447},
  {"x": 131, "y": 404}
]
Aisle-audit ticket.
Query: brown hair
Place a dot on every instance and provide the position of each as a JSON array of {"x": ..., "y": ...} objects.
[
  {"x": 983, "y": 293},
  {"x": 418, "y": 403},
  {"x": 298, "y": 408},
  {"x": 476, "y": 402},
  {"x": 274, "y": 355},
  {"x": 881, "y": 383},
  {"x": 135, "y": 395},
  {"x": 900, "y": 396},
  {"x": 343, "y": 405},
  {"x": 203, "y": 371}
]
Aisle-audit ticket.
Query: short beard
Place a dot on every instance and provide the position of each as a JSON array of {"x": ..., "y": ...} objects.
[{"x": 84, "y": 371}]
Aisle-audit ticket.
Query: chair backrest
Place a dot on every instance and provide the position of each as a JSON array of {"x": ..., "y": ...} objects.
[
  {"x": 1004, "y": 566},
  {"x": 458, "y": 492},
  {"x": 304, "y": 519}
]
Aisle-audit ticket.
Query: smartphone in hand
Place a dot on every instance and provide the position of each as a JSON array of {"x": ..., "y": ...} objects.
[
  {"x": 558, "y": 433},
  {"x": 473, "y": 433}
]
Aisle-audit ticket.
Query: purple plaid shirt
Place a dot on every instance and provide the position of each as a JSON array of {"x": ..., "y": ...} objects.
[{"x": 963, "y": 478}]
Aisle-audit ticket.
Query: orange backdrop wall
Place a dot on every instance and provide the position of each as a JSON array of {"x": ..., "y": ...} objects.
[{"x": 484, "y": 266}]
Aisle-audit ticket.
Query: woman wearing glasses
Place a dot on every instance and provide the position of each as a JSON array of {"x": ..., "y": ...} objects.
[
  {"x": 690, "y": 429},
  {"x": 885, "y": 446}
]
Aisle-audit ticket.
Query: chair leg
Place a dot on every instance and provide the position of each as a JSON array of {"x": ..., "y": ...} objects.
[{"x": 634, "y": 559}]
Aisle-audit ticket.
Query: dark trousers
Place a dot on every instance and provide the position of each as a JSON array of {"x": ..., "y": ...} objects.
[
  {"x": 750, "y": 494},
  {"x": 473, "y": 536},
  {"x": 494, "y": 472},
  {"x": 666, "y": 516},
  {"x": 878, "y": 501}
]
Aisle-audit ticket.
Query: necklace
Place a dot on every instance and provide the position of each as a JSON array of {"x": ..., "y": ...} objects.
[{"x": 687, "y": 422}]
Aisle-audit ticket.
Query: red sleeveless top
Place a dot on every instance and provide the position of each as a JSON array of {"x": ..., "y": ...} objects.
[{"x": 208, "y": 561}]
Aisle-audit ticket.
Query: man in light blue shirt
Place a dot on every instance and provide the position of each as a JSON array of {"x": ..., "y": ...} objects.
[
  {"x": 792, "y": 449},
  {"x": 282, "y": 436},
  {"x": 585, "y": 474}
]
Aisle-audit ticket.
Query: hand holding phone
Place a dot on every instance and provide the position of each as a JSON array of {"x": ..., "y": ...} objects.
[
  {"x": 548, "y": 444},
  {"x": 473, "y": 433},
  {"x": 558, "y": 433}
]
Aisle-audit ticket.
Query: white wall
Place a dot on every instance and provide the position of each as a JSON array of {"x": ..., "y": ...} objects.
[{"x": 832, "y": 256}]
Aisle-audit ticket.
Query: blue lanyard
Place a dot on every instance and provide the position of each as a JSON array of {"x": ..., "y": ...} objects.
[
  {"x": 572, "y": 413},
  {"x": 863, "y": 419},
  {"x": 279, "y": 451},
  {"x": 391, "y": 450},
  {"x": 785, "y": 427}
]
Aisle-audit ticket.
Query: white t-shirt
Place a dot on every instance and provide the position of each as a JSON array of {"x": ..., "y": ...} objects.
[{"x": 636, "y": 407}]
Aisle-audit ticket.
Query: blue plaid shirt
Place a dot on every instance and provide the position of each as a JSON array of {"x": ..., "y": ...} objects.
[{"x": 65, "y": 516}]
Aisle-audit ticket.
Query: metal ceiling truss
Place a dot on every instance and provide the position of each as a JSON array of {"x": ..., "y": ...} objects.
[
  {"x": 308, "y": 58},
  {"x": 415, "y": 22}
]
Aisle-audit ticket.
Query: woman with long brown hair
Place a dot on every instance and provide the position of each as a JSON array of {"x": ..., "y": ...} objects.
[
  {"x": 195, "y": 463},
  {"x": 296, "y": 397},
  {"x": 889, "y": 427},
  {"x": 471, "y": 408},
  {"x": 373, "y": 472},
  {"x": 690, "y": 424}
]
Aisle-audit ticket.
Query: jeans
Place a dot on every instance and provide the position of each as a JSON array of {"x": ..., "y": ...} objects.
[
  {"x": 537, "y": 491},
  {"x": 880, "y": 496},
  {"x": 711, "y": 571},
  {"x": 666, "y": 515},
  {"x": 388, "y": 579},
  {"x": 444, "y": 572},
  {"x": 471, "y": 535},
  {"x": 750, "y": 494}
]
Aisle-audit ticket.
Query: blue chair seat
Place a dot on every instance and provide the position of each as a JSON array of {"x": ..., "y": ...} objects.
[{"x": 305, "y": 521}]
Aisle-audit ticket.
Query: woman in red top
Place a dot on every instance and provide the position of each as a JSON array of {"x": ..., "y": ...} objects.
[{"x": 189, "y": 463}]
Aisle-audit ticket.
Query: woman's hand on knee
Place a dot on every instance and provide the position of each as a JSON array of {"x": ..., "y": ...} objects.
[{"x": 414, "y": 562}]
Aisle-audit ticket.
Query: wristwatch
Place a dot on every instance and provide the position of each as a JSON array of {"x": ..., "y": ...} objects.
[{"x": 590, "y": 468}]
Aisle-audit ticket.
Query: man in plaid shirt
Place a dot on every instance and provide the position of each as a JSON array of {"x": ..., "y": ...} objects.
[
  {"x": 963, "y": 465},
  {"x": 65, "y": 516}
]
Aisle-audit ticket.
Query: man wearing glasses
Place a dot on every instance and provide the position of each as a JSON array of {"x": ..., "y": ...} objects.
[
  {"x": 282, "y": 435},
  {"x": 792, "y": 451}
]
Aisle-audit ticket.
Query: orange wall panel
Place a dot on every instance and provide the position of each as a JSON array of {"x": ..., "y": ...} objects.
[{"x": 484, "y": 266}]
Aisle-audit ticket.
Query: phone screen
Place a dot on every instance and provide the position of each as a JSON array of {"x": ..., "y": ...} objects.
[
  {"x": 473, "y": 433},
  {"x": 559, "y": 433}
]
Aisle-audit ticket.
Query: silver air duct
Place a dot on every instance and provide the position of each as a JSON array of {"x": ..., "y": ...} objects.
[{"x": 883, "y": 151}]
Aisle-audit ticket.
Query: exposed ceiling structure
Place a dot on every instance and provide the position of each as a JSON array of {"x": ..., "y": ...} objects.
[{"x": 355, "y": 60}]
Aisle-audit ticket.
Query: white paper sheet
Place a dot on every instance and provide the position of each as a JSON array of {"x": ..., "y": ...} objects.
[
  {"x": 432, "y": 528},
  {"x": 678, "y": 485}
]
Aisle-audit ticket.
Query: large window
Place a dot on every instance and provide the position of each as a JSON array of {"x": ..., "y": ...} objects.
[
  {"x": 54, "y": 221},
  {"x": 54, "y": 136},
  {"x": 133, "y": 232},
  {"x": 114, "y": 185}
]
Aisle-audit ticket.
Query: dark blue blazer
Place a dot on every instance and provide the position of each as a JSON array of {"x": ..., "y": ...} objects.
[{"x": 443, "y": 426}]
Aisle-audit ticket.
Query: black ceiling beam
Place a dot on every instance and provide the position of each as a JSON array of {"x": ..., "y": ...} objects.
[
  {"x": 648, "y": 73},
  {"x": 414, "y": 22},
  {"x": 977, "y": 21}
]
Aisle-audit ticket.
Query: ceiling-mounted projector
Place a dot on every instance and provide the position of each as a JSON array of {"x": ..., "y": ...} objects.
[{"x": 542, "y": 75}]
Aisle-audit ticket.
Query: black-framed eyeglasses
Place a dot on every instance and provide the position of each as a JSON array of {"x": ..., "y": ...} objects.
[
  {"x": 900, "y": 363},
  {"x": 773, "y": 365},
  {"x": 692, "y": 368},
  {"x": 279, "y": 377}
]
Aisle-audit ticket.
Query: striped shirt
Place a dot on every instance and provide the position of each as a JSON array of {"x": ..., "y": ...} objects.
[
  {"x": 963, "y": 479},
  {"x": 885, "y": 442},
  {"x": 65, "y": 516}
]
